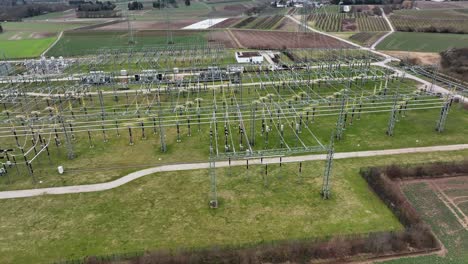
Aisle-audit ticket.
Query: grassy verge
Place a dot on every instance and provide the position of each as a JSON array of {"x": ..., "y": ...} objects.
[{"x": 170, "y": 211}]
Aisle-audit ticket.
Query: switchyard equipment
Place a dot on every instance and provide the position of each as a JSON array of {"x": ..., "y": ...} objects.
[{"x": 239, "y": 114}]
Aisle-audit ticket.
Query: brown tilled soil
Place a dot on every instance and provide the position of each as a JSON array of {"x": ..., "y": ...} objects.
[
  {"x": 38, "y": 35},
  {"x": 255, "y": 39},
  {"x": 348, "y": 24},
  {"x": 423, "y": 58},
  {"x": 150, "y": 25},
  {"x": 287, "y": 25},
  {"x": 223, "y": 37}
]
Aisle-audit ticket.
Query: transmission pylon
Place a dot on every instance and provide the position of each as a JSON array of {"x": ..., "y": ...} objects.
[
  {"x": 161, "y": 130},
  {"x": 391, "y": 121},
  {"x": 214, "y": 194},
  {"x": 169, "y": 39},
  {"x": 68, "y": 143},
  {"x": 443, "y": 116},
  {"x": 326, "y": 186},
  {"x": 340, "y": 123},
  {"x": 304, "y": 18},
  {"x": 393, "y": 113},
  {"x": 131, "y": 40}
]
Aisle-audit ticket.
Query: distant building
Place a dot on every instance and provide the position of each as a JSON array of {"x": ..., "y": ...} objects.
[
  {"x": 345, "y": 8},
  {"x": 249, "y": 57}
]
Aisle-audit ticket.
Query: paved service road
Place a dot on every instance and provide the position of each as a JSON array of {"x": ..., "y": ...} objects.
[{"x": 194, "y": 166}]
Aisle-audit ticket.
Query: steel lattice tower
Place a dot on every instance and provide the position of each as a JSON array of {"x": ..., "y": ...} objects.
[
  {"x": 443, "y": 116},
  {"x": 328, "y": 169},
  {"x": 68, "y": 143},
  {"x": 393, "y": 113},
  {"x": 340, "y": 123}
]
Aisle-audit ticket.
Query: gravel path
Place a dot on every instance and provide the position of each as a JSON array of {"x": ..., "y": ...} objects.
[
  {"x": 194, "y": 166},
  {"x": 386, "y": 35}
]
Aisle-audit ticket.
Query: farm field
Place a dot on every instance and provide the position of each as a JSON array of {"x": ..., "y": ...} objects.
[
  {"x": 347, "y": 22},
  {"x": 195, "y": 10},
  {"x": 63, "y": 15},
  {"x": 228, "y": 22},
  {"x": 30, "y": 39},
  {"x": 425, "y": 196},
  {"x": 27, "y": 48},
  {"x": 169, "y": 211},
  {"x": 424, "y": 42},
  {"x": 440, "y": 20},
  {"x": 80, "y": 43},
  {"x": 149, "y": 25},
  {"x": 366, "y": 38},
  {"x": 279, "y": 40},
  {"x": 266, "y": 22}
]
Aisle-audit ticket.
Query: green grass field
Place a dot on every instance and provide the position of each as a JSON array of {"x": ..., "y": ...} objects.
[
  {"x": 89, "y": 42},
  {"x": 170, "y": 211},
  {"x": 30, "y": 39},
  {"x": 424, "y": 42},
  {"x": 27, "y": 48}
]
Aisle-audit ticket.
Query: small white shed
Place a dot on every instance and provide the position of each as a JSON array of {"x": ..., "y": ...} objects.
[{"x": 249, "y": 57}]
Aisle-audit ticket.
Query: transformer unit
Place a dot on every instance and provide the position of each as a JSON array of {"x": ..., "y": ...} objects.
[
  {"x": 148, "y": 76},
  {"x": 213, "y": 74},
  {"x": 97, "y": 77}
]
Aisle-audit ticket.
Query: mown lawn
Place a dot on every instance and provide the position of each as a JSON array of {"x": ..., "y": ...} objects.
[
  {"x": 424, "y": 42},
  {"x": 170, "y": 210}
]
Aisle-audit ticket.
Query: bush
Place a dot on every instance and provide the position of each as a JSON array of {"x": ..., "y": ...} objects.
[{"x": 135, "y": 5}]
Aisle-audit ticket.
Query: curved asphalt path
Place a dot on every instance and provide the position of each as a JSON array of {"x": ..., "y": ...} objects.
[{"x": 194, "y": 166}]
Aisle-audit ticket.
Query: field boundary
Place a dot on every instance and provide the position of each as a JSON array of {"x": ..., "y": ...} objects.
[{"x": 53, "y": 44}]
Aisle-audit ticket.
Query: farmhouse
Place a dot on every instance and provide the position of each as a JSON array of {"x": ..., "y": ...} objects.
[{"x": 249, "y": 57}]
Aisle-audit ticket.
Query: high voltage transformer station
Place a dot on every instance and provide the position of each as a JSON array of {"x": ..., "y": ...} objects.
[{"x": 243, "y": 113}]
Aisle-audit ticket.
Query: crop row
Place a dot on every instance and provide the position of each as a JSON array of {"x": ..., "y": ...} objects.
[
  {"x": 417, "y": 24},
  {"x": 372, "y": 24},
  {"x": 366, "y": 38},
  {"x": 336, "y": 22},
  {"x": 266, "y": 22}
]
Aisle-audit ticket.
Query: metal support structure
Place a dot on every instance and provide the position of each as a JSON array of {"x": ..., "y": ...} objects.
[
  {"x": 214, "y": 194},
  {"x": 340, "y": 123},
  {"x": 68, "y": 143},
  {"x": 326, "y": 186},
  {"x": 443, "y": 116}
]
